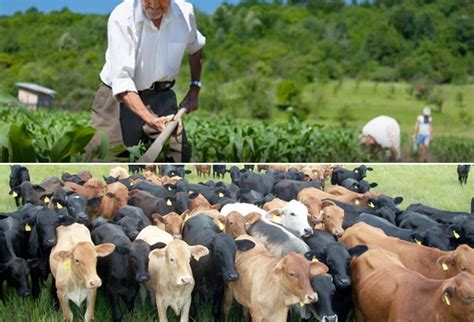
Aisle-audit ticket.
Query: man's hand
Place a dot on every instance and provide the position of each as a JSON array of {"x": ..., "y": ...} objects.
[
  {"x": 158, "y": 122},
  {"x": 190, "y": 101}
]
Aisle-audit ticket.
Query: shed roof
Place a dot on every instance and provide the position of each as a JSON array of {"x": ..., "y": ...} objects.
[{"x": 36, "y": 88}]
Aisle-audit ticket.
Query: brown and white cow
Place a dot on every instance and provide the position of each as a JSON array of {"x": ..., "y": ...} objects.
[
  {"x": 430, "y": 262},
  {"x": 171, "y": 278},
  {"x": 269, "y": 285},
  {"x": 115, "y": 197},
  {"x": 73, "y": 264},
  {"x": 385, "y": 290}
]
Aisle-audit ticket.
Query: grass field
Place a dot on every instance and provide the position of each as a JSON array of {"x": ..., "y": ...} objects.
[{"x": 435, "y": 185}]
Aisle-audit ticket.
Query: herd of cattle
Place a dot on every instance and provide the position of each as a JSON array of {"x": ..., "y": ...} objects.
[{"x": 275, "y": 241}]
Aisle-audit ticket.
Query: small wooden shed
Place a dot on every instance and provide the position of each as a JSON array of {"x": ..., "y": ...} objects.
[{"x": 35, "y": 96}]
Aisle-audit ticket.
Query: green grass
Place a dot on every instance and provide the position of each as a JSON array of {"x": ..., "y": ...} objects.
[
  {"x": 6, "y": 98},
  {"x": 435, "y": 185}
]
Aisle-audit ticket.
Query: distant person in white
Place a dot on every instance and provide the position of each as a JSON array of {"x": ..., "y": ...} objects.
[
  {"x": 146, "y": 43},
  {"x": 383, "y": 132},
  {"x": 423, "y": 132}
]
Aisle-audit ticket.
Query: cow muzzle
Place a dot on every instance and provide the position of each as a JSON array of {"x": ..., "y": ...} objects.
[
  {"x": 343, "y": 282},
  {"x": 311, "y": 298},
  {"x": 231, "y": 277},
  {"x": 24, "y": 292},
  {"x": 51, "y": 242},
  {"x": 307, "y": 232},
  {"x": 338, "y": 232},
  {"x": 185, "y": 280},
  {"x": 142, "y": 278},
  {"x": 94, "y": 283},
  {"x": 330, "y": 318}
]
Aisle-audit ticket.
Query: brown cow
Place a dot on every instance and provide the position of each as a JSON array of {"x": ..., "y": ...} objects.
[
  {"x": 153, "y": 178},
  {"x": 276, "y": 203},
  {"x": 203, "y": 170},
  {"x": 358, "y": 200},
  {"x": 341, "y": 191},
  {"x": 73, "y": 265},
  {"x": 171, "y": 278},
  {"x": 115, "y": 197},
  {"x": 93, "y": 188},
  {"x": 85, "y": 175},
  {"x": 385, "y": 290},
  {"x": 172, "y": 223},
  {"x": 269, "y": 285},
  {"x": 430, "y": 262}
]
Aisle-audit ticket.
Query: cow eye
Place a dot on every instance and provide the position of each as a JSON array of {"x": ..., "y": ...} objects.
[
  {"x": 231, "y": 223},
  {"x": 292, "y": 275},
  {"x": 293, "y": 214},
  {"x": 172, "y": 260},
  {"x": 77, "y": 261},
  {"x": 463, "y": 269}
]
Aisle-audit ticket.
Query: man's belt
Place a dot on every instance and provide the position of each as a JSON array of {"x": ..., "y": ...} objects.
[{"x": 159, "y": 87}]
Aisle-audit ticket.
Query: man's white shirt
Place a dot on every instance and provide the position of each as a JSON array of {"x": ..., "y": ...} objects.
[
  {"x": 386, "y": 132},
  {"x": 140, "y": 54}
]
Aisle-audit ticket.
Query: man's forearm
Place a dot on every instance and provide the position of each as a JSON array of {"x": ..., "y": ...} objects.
[
  {"x": 135, "y": 104},
  {"x": 195, "y": 63}
]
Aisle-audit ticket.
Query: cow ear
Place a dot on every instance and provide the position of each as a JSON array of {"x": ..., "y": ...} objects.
[
  {"x": 314, "y": 256},
  {"x": 38, "y": 188},
  {"x": 356, "y": 170},
  {"x": 446, "y": 262},
  {"x": 327, "y": 203},
  {"x": 398, "y": 200},
  {"x": 198, "y": 251},
  {"x": 358, "y": 250},
  {"x": 157, "y": 218},
  {"x": 66, "y": 220},
  {"x": 158, "y": 245},
  {"x": 447, "y": 295},
  {"x": 418, "y": 237},
  {"x": 370, "y": 169},
  {"x": 104, "y": 249},
  {"x": 35, "y": 262},
  {"x": 252, "y": 218},
  {"x": 318, "y": 268},
  {"x": 373, "y": 184},
  {"x": 157, "y": 253},
  {"x": 62, "y": 255},
  {"x": 140, "y": 225},
  {"x": 188, "y": 172},
  {"x": 193, "y": 195},
  {"x": 244, "y": 245}
]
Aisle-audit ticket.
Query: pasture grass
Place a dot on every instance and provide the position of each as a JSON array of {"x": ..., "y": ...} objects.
[{"x": 435, "y": 185}]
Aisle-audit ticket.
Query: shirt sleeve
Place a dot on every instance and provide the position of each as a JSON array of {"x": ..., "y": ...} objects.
[
  {"x": 122, "y": 56},
  {"x": 196, "y": 39}
]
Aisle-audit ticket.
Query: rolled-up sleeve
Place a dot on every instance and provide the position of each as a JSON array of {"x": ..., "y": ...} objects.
[
  {"x": 196, "y": 39},
  {"x": 121, "y": 53}
]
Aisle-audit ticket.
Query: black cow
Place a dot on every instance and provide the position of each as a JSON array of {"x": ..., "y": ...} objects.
[
  {"x": 34, "y": 194},
  {"x": 174, "y": 170},
  {"x": 211, "y": 272},
  {"x": 133, "y": 212},
  {"x": 249, "y": 167},
  {"x": 340, "y": 174},
  {"x": 219, "y": 170},
  {"x": 463, "y": 173},
  {"x": 437, "y": 214},
  {"x": 67, "y": 177},
  {"x": 18, "y": 175},
  {"x": 294, "y": 174},
  {"x": 167, "y": 190},
  {"x": 288, "y": 189},
  {"x": 259, "y": 182},
  {"x": 151, "y": 204},
  {"x": 234, "y": 173},
  {"x": 361, "y": 186},
  {"x": 136, "y": 168},
  {"x": 13, "y": 268},
  {"x": 323, "y": 308},
  {"x": 123, "y": 270},
  {"x": 215, "y": 195}
]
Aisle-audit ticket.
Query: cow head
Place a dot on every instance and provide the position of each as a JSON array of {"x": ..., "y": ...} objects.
[
  {"x": 460, "y": 260},
  {"x": 82, "y": 260},
  {"x": 172, "y": 223},
  {"x": 138, "y": 258},
  {"x": 235, "y": 224},
  {"x": 324, "y": 285},
  {"x": 294, "y": 273},
  {"x": 16, "y": 272},
  {"x": 176, "y": 256},
  {"x": 457, "y": 296},
  {"x": 294, "y": 218},
  {"x": 77, "y": 208},
  {"x": 333, "y": 216},
  {"x": 222, "y": 250}
]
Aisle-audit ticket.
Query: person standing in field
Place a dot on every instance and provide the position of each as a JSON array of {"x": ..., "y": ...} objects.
[
  {"x": 423, "y": 132},
  {"x": 382, "y": 132},
  {"x": 146, "y": 43}
]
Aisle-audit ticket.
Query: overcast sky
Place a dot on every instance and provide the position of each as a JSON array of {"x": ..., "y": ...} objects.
[{"x": 8, "y": 7}]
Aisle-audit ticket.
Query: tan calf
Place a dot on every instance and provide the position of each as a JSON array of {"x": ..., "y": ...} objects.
[
  {"x": 430, "y": 262},
  {"x": 269, "y": 285},
  {"x": 172, "y": 223},
  {"x": 276, "y": 203},
  {"x": 73, "y": 264},
  {"x": 171, "y": 278},
  {"x": 235, "y": 224},
  {"x": 152, "y": 235}
]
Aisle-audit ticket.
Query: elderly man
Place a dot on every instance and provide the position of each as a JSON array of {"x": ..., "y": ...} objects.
[
  {"x": 383, "y": 132},
  {"x": 146, "y": 43}
]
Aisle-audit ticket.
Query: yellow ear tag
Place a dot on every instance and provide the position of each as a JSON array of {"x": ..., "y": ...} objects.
[
  {"x": 46, "y": 200},
  {"x": 186, "y": 218},
  {"x": 445, "y": 267},
  {"x": 27, "y": 227},
  {"x": 276, "y": 219},
  {"x": 58, "y": 205},
  {"x": 371, "y": 205},
  {"x": 221, "y": 195},
  {"x": 314, "y": 260},
  {"x": 197, "y": 258},
  {"x": 67, "y": 265},
  {"x": 170, "y": 189},
  {"x": 446, "y": 299},
  {"x": 456, "y": 235},
  {"x": 356, "y": 171},
  {"x": 169, "y": 203},
  {"x": 417, "y": 241},
  {"x": 14, "y": 194},
  {"x": 301, "y": 303},
  {"x": 131, "y": 184},
  {"x": 357, "y": 202},
  {"x": 221, "y": 226}
]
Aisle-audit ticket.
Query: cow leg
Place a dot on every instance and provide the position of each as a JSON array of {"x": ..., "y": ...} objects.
[
  {"x": 113, "y": 299},
  {"x": 227, "y": 302},
  {"x": 1, "y": 289},
  {"x": 35, "y": 287},
  {"x": 54, "y": 294},
  {"x": 89, "y": 317},
  {"x": 64, "y": 303},
  {"x": 217, "y": 303},
  {"x": 185, "y": 311},
  {"x": 161, "y": 310},
  {"x": 193, "y": 310}
]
